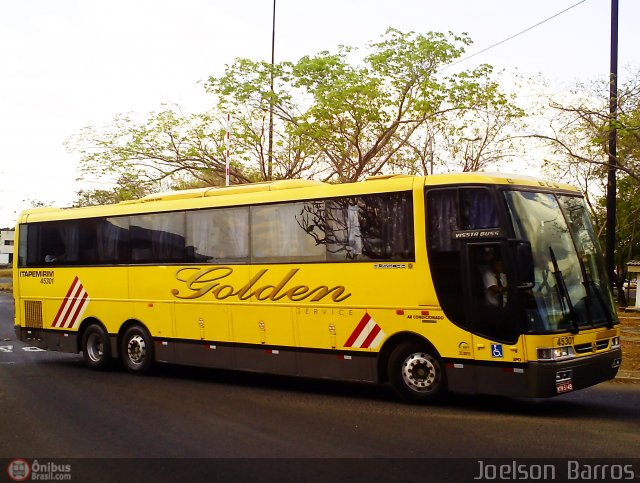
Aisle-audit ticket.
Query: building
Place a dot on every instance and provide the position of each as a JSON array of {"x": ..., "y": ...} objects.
[{"x": 7, "y": 235}]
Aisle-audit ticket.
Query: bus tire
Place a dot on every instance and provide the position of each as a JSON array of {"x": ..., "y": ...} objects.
[
  {"x": 136, "y": 350},
  {"x": 416, "y": 375},
  {"x": 96, "y": 348}
]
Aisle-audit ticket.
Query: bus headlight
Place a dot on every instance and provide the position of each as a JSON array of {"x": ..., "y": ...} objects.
[
  {"x": 555, "y": 353},
  {"x": 615, "y": 343}
]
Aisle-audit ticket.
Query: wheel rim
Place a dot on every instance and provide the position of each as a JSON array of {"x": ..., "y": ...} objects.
[
  {"x": 420, "y": 372},
  {"x": 95, "y": 347},
  {"x": 136, "y": 349}
]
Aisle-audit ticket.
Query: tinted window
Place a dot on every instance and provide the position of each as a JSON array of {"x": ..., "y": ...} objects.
[
  {"x": 158, "y": 238},
  {"x": 283, "y": 233},
  {"x": 450, "y": 211},
  {"x": 356, "y": 228},
  {"x": 371, "y": 227},
  {"x": 112, "y": 240},
  {"x": 218, "y": 236}
]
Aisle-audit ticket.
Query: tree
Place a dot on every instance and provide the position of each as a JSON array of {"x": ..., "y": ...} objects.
[
  {"x": 338, "y": 117},
  {"x": 167, "y": 147},
  {"x": 362, "y": 119},
  {"x": 578, "y": 134},
  {"x": 127, "y": 187}
]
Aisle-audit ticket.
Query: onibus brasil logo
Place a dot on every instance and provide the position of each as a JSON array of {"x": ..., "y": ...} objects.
[{"x": 21, "y": 470}]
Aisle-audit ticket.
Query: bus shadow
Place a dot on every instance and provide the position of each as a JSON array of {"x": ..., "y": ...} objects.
[
  {"x": 585, "y": 404},
  {"x": 275, "y": 382},
  {"x": 579, "y": 405}
]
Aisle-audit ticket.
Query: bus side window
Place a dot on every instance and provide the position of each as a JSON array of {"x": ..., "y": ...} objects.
[
  {"x": 490, "y": 301},
  {"x": 158, "y": 237},
  {"x": 444, "y": 252}
]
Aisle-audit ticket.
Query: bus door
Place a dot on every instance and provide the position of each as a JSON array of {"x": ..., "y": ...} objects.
[
  {"x": 492, "y": 305},
  {"x": 465, "y": 241}
]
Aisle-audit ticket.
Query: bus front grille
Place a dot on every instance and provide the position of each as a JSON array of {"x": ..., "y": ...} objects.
[
  {"x": 33, "y": 314},
  {"x": 591, "y": 346}
]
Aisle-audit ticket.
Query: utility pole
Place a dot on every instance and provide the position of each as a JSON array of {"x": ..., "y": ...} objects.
[
  {"x": 613, "y": 117},
  {"x": 273, "y": 50}
]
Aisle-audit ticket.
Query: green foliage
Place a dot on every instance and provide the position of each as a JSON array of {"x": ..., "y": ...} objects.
[
  {"x": 355, "y": 119},
  {"x": 337, "y": 116},
  {"x": 579, "y": 135},
  {"x": 128, "y": 187}
]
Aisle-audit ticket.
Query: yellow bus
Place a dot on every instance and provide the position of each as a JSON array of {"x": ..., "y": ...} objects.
[{"x": 469, "y": 283}]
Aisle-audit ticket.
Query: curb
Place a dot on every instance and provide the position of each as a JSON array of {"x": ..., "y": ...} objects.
[{"x": 627, "y": 380}]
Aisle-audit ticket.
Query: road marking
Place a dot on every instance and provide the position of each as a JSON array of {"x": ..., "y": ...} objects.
[{"x": 29, "y": 348}]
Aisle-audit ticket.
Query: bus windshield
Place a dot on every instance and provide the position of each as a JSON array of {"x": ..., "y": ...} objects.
[{"x": 571, "y": 289}]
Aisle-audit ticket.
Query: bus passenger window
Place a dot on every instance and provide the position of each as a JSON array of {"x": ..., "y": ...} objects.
[
  {"x": 158, "y": 237},
  {"x": 370, "y": 227},
  {"x": 278, "y": 235},
  {"x": 218, "y": 235}
]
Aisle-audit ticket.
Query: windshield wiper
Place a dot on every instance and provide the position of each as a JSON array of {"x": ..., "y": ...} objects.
[
  {"x": 563, "y": 293},
  {"x": 605, "y": 307}
]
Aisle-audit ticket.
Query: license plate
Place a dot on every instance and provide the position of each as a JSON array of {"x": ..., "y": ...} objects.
[{"x": 564, "y": 386}]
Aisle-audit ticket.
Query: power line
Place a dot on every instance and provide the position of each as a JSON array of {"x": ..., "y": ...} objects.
[{"x": 513, "y": 36}]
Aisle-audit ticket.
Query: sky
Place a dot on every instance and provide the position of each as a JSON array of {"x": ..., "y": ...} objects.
[{"x": 67, "y": 64}]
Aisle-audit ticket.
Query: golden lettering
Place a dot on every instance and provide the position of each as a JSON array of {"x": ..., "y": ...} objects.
[
  {"x": 280, "y": 286},
  {"x": 201, "y": 281},
  {"x": 298, "y": 293},
  {"x": 258, "y": 293},
  {"x": 241, "y": 293},
  {"x": 198, "y": 281},
  {"x": 323, "y": 291},
  {"x": 217, "y": 292}
]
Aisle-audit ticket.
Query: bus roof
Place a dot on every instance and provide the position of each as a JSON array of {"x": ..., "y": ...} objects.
[
  {"x": 277, "y": 191},
  {"x": 496, "y": 178}
]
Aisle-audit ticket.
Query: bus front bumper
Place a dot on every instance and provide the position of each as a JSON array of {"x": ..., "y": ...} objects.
[{"x": 546, "y": 379}]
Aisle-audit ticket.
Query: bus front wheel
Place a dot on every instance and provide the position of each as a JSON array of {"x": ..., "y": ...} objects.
[
  {"x": 136, "y": 350},
  {"x": 416, "y": 375},
  {"x": 96, "y": 349}
]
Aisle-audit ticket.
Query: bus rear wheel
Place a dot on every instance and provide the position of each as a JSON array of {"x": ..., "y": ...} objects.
[
  {"x": 416, "y": 375},
  {"x": 136, "y": 350},
  {"x": 96, "y": 349}
]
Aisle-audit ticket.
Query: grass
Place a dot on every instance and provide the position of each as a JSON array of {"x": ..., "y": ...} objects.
[
  {"x": 630, "y": 340},
  {"x": 6, "y": 273}
]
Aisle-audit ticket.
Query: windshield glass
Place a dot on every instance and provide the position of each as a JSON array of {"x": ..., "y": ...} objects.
[
  {"x": 570, "y": 290},
  {"x": 591, "y": 256}
]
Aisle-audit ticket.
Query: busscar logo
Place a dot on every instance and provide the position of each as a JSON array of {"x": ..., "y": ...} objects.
[
  {"x": 391, "y": 266},
  {"x": 19, "y": 470},
  {"x": 461, "y": 234}
]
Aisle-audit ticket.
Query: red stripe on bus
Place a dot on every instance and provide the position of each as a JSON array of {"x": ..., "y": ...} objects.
[
  {"x": 71, "y": 304},
  {"x": 64, "y": 302},
  {"x": 372, "y": 335},
  {"x": 76, "y": 314},
  {"x": 356, "y": 333}
]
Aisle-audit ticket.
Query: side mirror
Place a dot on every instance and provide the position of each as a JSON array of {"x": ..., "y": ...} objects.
[{"x": 523, "y": 257}]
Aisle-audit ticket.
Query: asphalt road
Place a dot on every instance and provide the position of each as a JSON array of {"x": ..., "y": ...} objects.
[{"x": 54, "y": 407}]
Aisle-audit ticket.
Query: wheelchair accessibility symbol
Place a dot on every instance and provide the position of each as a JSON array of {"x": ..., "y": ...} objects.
[{"x": 496, "y": 351}]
